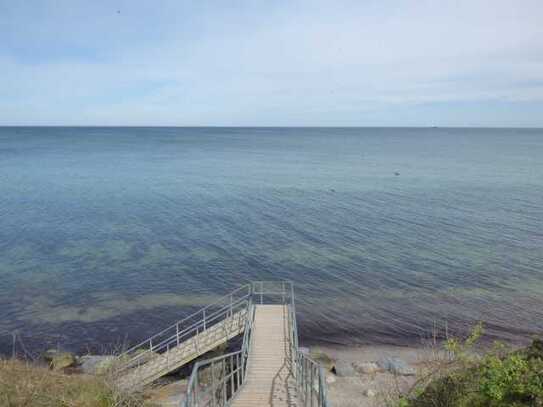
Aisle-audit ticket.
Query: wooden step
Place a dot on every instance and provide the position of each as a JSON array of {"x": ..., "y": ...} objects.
[{"x": 269, "y": 382}]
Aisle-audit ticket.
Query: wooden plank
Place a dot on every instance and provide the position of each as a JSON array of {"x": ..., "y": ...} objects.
[{"x": 269, "y": 380}]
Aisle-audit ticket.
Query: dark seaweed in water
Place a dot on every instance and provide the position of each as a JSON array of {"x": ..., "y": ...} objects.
[{"x": 108, "y": 233}]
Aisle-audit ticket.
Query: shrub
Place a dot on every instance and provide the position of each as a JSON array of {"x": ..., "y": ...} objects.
[{"x": 498, "y": 379}]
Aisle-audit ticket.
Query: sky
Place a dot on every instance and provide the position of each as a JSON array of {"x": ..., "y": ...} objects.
[{"x": 272, "y": 63}]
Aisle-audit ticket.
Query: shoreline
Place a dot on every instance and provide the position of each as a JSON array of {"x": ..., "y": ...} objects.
[
  {"x": 347, "y": 386},
  {"x": 355, "y": 375}
]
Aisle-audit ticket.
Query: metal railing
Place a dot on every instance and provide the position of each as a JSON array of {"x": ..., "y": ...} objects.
[
  {"x": 310, "y": 376},
  {"x": 159, "y": 345},
  {"x": 215, "y": 382},
  {"x": 310, "y": 382}
]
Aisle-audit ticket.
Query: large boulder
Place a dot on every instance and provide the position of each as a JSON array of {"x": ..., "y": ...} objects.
[
  {"x": 96, "y": 364},
  {"x": 49, "y": 354},
  {"x": 396, "y": 366},
  {"x": 367, "y": 367},
  {"x": 62, "y": 360},
  {"x": 58, "y": 359}
]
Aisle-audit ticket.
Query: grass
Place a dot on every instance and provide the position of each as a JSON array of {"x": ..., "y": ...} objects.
[{"x": 24, "y": 384}]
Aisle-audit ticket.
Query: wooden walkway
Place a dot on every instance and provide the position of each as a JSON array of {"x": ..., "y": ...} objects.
[
  {"x": 158, "y": 365},
  {"x": 269, "y": 381}
]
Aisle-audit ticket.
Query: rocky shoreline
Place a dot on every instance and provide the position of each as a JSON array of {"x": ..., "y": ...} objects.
[
  {"x": 362, "y": 376},
  {"x": 368, "y": 376}
]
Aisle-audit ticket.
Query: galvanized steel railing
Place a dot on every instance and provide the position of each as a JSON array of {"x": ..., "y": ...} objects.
[
  {"x": 310, "y": 376},
  {"x": 310, "y": 382},
  {"x": 183, "y": 330},
  {"x": 215, "y": 382}
]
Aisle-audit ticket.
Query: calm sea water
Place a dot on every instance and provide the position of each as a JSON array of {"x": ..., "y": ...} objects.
[{"x": 112, "y": 233}]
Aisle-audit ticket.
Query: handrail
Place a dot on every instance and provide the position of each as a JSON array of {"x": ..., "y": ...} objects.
[
  {"x": 310, "y": 382},
  {"x": 194, "y": 314},
  {"x": 228, "y": 372},
  {"x": 310, "y": 376},
  {"x": 160, "y": 343},
  {"x": 233, "y": 372}
]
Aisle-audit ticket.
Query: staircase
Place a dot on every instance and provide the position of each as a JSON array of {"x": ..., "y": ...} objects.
[
  {"x": 269, "y": 374},
  {"x": 269, "y": 370},
  {"x": 183, "y": 342}
]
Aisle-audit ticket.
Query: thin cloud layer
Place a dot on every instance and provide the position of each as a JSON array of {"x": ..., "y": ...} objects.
[{"x": 296, "y": 63}]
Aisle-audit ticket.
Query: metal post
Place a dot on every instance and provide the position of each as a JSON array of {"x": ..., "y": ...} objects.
[
  {"x": 177, "y": 333},
  {"x": 305, "y": 382},
  {"x": 196, "y": 390},
  {"x": 238, "y": 367},
  {"x": 242, "y": 368},
  {"x": 224, "y": 382},
  {"x": 214, "y": 401},
  {"x": 312, "y": 384},
  {"x": 231, "y": 376},
  {"x": 204, "y": 312},
  {"x": 322, "y": 388}
]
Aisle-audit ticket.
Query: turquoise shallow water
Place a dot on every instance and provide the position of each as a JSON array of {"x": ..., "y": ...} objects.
[{"x": 112, "y": 233}]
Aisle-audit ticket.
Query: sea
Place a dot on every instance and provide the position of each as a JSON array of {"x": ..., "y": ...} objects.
[{"x": 390, "y": 235}]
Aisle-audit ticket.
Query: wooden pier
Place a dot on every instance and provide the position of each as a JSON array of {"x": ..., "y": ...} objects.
[
  {"x": 269, "y": 375},
  {"x": 269, "y": 370}
]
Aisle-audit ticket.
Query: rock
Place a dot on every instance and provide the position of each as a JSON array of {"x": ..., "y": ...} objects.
[
  {"x": 370, "y": 393},
  {"x": 367, "y": 367},
  {"x": 330, "y": 378},
  {"x": 323, "y": 359},
  {"x": 49, "y": 354},
  {"x": 344, "y": 368},
  {"x": 396, "y": 366},
  {"x": 62, "y": 360},
  {"x": 96, "y": 364}
]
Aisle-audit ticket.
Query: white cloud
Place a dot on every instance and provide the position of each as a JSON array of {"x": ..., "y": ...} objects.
[{"x": 294, "y": 64}]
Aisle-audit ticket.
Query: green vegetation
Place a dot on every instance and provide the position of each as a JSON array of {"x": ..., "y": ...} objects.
[
  {"x": 24, "y": 384},
  {"x": 500, "y": 378}
]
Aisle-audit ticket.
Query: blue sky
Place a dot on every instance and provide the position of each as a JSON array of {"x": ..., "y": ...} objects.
[{"x": 279, "y": 63}]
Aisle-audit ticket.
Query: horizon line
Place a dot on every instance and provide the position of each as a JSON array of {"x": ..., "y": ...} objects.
[{"x": 264, "y": 126}]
